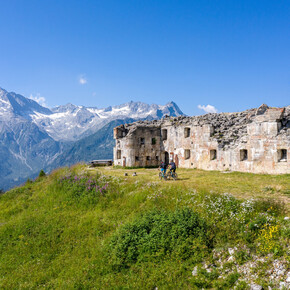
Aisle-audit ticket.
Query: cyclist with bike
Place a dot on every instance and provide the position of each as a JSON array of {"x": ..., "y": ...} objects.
[
  {"x": 163, "y": 167},
  {"x": 172, "y": 173},
  {"x": 172, "y": 166}
]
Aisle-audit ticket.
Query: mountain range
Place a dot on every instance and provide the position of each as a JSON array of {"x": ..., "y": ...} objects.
[{"x": 33, "y": 137}]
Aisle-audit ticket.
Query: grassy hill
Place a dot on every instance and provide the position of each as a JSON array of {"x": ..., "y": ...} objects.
[{"x": 96, "y": 228}]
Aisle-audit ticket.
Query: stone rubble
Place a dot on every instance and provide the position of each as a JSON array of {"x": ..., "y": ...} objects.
[
  {"x": 278, "y": 273},
  {"x": 229, "y": 127}
]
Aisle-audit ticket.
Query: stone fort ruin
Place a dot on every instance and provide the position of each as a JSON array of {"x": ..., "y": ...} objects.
[{"x": 256, "y": 140}]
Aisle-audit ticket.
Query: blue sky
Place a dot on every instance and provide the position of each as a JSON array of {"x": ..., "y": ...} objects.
[{"x": 232, "y": 55}]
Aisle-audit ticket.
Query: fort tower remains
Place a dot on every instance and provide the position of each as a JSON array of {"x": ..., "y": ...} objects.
[{"x": 256, "y": 140}]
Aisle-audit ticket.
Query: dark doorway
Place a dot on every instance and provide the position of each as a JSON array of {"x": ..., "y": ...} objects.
[{"x": 166, "y": 157}]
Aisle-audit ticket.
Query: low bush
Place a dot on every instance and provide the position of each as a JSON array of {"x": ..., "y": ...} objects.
[
  {"x": 204, "y": 279},
  {"x": 41, "y": 173},
  {"x": 157, "y": 234},
  {"x": 242, "y": 256},
  {"x": 268, "y": 239},
  {"x": 271, "y": 206}
]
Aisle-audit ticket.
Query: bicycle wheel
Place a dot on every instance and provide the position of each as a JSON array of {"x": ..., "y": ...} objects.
[
  {"x": 160, "y": 175},
  {"x": 174, "y": 175}
]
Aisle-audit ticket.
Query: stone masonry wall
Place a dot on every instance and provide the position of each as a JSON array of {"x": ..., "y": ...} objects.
[{"x": 256, "y": 140}]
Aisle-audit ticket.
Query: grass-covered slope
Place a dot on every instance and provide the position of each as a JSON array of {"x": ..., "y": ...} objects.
[{"x": 79, "y": 228}]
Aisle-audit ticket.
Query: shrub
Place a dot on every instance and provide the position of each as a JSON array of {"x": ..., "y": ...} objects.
[
  {"x": 260, "y": 221},
  {"x": 204, "y": 279},
  {"x": 242, "y": 256},
  {"x": 267, "y": 239},
  {"x": 41, "y": 173},
  {"x": 28, "y": 181},
  {"x": 230, "y": 280},
  {"x": 273, "y": 207},
  {"x": 159, "y": 234}
]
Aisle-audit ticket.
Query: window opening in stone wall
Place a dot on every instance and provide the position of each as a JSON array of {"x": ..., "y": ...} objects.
[
  {"x": 243, "y": 155},
  {"x": 119, "y": 133},
  {"x": 164, "y": 134},
  {"x": 212, "y": 154},
  {"x": 186, "y": 132},
  {"x": 282, "y": 155},
  {"x": 142, "y": 141},
  {"x": 136, "y": 158},
  {"x": 186, "y": 154},
  {"x": 148, "y": 158},
  {"x": 157, "y": 158},
  {"x": 119, "y": 152},
  {"x": 153, "y": 141},
  {"x": 280, "y": 126}
]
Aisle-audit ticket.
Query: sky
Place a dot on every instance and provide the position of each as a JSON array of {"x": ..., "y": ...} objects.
[{"x": 206, "y": 55}]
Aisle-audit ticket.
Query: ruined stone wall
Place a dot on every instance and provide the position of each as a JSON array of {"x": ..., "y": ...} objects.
[
  {"x": 140, "y": 148},
  {"x": 256, "y": 140}
]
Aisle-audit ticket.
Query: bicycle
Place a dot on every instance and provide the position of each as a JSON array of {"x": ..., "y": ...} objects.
[
  {"x": 171, "y": 174},
  {"x": 162, "y": 175}
]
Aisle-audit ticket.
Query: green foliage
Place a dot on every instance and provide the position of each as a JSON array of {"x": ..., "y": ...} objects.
[
  {"x": 232, "y": 219},
  {"x": 230, "y": 280},
  {"x": 242, "y": 256},
  {"x": 84, "y": 188},
  {"x": 41, "y": 173},
  {"x": 210, "y": 279},
  {"x": 159, "y": 234},
  {"x": 273, "y": 207},
  {"x": 29, "y": 181},
  {"x": 204, "y": 279}
]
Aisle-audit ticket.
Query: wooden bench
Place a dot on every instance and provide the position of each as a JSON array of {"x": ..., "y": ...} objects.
[{"x": 95, "y": 163}]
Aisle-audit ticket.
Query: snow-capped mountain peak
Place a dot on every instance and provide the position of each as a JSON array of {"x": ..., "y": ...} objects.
[
  {"x": 70, "y": 122},
  {"x": 65, "y": 108},
  {"x": 17, "y": 105}
]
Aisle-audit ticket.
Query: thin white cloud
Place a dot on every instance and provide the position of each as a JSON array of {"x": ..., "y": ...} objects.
[
  {"x": 208, "y": 108},
  {"x": 82, "y": 80},
  {"x": 39, "y": 99}
]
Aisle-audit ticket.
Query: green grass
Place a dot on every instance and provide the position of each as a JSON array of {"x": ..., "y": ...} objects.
[
  {"x": 134, "y": 232},
  {"x": 241, "y": 185}
]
